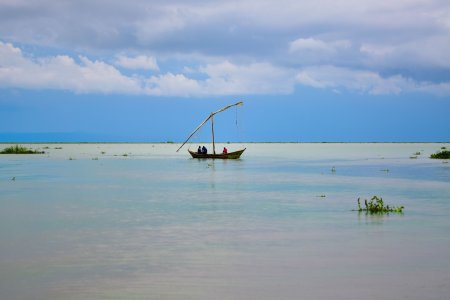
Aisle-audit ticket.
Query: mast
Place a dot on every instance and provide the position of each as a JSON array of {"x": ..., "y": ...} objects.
[
  {"x": 212, "y": 130},
  {"x": 212, "y": 124}
]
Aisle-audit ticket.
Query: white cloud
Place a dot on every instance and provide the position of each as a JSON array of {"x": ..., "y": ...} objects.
[
  {"x": 142, "y": 62},
  {"x": 61, "y": 72},
  {"x": 256, "y": 78},
  {"x": 224, "y": 78},
  {"x": 338, "y": 78},
  {"x": 311, "y": 44},
  {"x": 172, "y": 85}
]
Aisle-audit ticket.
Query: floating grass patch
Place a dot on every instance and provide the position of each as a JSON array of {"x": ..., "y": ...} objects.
[
  {"x": 17, "y": 149},
  {"x": 376, "y": 206},
  {"x": 445, "y": 154}
]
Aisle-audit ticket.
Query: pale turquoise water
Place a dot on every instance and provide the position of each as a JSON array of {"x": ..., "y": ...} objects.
[{"x": 156, "y": 224}]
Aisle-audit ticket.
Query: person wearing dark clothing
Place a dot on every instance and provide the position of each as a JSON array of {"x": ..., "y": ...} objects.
[
  {"x": 199, "y": 150},
  {"x": 204, "y": 150}
]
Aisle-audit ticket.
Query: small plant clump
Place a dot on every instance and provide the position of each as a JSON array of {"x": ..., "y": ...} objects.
[
  {"x": 445, "y": 154},
  {"x": 20, "y": 150},
  {"x": 376, "y": 206}
]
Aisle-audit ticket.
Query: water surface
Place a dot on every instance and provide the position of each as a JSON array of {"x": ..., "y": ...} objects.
[{"x": 140, "y": 221}]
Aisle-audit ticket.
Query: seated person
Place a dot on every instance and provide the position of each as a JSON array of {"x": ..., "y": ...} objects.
[
  {"x": 199, "y": 150},
  {"x": 204, "y": 150},
  {"x": 225, "y": 150}
]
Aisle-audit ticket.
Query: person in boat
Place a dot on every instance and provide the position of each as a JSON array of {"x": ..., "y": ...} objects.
[
  {"x": 199, "y": 150},
  {"x": 204, "y": 150},
  {"x": 225, "y": 150}
]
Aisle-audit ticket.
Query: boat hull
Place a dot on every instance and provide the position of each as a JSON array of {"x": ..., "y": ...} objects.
[{"x": 230, "y": 155}]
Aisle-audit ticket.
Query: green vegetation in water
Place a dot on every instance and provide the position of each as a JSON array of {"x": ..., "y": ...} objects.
[
  {"x": 20, "y": 150},
  {"x": 445, "y": 154},
  {"x": 376, "y": 206}
]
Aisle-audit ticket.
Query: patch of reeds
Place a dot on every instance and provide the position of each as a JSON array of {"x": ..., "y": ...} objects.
[{"x": 17, "y": 149}]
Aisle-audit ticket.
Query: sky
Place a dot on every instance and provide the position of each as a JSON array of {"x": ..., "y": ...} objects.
[{"x": 152, "y": 70}]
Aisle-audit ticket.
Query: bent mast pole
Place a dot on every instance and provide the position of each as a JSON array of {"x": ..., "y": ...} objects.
[{"x": 206, "y": 120}]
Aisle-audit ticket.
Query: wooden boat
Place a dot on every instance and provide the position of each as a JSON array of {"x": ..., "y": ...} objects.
[
  {"x": 214, "y": 155},
  {"x": 229, "y": 155}
]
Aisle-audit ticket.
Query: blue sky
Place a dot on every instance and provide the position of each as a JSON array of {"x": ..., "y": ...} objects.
[{"x": 149, "y": 71}]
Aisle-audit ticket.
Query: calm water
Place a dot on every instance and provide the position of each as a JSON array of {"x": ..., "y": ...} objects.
[{"x": 88, "y": 222}]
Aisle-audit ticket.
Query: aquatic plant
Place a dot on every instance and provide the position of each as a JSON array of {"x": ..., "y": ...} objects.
[
  {"x": 445, "y": 154},
  {"x": 20, "y": 150},
  {"x": 376, "y": 206}
]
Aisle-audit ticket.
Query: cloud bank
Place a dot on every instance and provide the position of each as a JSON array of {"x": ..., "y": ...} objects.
[
  {"x": 82, "y": 75},
  {"x": 201, "y": 48}
]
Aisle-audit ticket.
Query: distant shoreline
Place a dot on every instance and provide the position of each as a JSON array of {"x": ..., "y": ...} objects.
[{"x": 219, "y": 142}]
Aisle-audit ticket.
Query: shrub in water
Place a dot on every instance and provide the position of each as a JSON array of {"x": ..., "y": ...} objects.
[
  {"x": 376, "y": 206},
  {"x": 441, "y": 155}
]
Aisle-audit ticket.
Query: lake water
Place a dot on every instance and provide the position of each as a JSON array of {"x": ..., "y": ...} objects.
[{"x": 140, "y": 221}]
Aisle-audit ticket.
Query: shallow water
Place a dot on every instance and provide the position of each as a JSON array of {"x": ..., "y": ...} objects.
[{"x": 89, "y": 222}]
